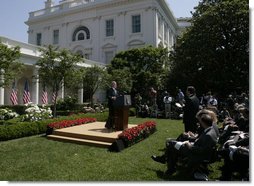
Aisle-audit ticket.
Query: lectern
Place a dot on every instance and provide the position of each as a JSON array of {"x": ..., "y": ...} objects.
[{"x": 121, "y": 106}]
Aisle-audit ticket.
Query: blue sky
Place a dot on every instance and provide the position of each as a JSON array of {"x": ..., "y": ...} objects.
[{"x": 13, "y": 14}]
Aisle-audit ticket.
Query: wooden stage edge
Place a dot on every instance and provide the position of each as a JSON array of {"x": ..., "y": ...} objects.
[{"x": 93, "y": 134}]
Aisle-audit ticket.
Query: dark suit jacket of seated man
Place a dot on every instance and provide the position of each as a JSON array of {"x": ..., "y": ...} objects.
[{"x": 195, "y": 152}]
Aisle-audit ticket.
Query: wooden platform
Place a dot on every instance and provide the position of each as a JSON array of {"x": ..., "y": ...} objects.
[{"x": 94, "y": 134}]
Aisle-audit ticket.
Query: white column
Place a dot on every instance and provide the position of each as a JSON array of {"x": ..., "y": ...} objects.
[
  {"x": 62, "y": 91},
  {"x": 1, "y": 96},
  {"x": 2, "y": 89},
  {"x": 80, "y": 95},
  {"x": 35, "y": 87},
  {"x": 120, "y": 30}
]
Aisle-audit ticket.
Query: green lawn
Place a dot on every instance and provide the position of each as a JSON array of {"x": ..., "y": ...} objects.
[{"x": 38, "y": 159}]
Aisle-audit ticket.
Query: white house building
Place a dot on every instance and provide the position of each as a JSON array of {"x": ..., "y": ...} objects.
[{"x": 98, "y": 29}]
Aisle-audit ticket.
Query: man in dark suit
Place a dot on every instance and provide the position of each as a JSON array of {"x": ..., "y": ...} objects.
[
  {"x": 112, "y": 94},
  {"x": 195, "y": 152},
  {"x": 190, "y": 110}
]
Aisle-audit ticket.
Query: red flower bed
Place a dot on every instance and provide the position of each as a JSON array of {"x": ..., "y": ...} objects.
[
  {"x": 68, "y": 123},
  {"x": 135, "y": 134}
]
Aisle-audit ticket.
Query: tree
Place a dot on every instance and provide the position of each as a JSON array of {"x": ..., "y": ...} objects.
[
  {"x": 93, "y": 78},
  {"x": 9, "y": 65},
  {"x": 56, "y": 65},
  {"x": 73, "y": 82},
  {"x": 214, "y": 52},
  {"x": 123, "y": 79},
  {"x": 147, "y": 67}
]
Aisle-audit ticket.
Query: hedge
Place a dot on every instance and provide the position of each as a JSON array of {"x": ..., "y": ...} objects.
[
  {"x": 24, "y": 129},
  {"x": 20, "y": 109}
]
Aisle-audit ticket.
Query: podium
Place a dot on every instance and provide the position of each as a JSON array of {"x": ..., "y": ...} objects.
[{"x": 121, "y": 111}]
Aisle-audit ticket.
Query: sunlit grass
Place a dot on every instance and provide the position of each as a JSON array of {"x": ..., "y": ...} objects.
[{"x": 38, "y": 159}]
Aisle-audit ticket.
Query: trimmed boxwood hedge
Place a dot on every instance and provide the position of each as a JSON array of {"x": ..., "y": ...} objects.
[{"x": 23, "y": 129}]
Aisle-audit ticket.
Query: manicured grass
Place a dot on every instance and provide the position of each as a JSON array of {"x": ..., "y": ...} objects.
[{"x": 38, "y": 159}]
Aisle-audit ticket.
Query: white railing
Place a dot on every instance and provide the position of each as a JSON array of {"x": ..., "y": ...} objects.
[
  {"x": 37, "y": 13},
  {"x": 65, "y": 6},
  {"x": 55, "y": 8}
]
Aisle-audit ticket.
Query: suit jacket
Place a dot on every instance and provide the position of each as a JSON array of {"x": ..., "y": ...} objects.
[
  {"x": 191, "y": 108},
  {"x": 203, "y": 147},
  {"x": 111, "y": 93}
]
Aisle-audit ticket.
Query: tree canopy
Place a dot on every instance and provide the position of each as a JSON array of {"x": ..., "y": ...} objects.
[
  {"x": 10, "y": 67},
  {"x": 146, "y": 66},
  {"x": 213, "y": 54},
  {"x": 56, "y": 65},
  {"x": 93, "y": 78}
]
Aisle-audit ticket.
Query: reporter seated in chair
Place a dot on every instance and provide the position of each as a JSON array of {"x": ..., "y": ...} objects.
[
  {"x": 195, "y": 153},
  {"x": 190, "y": 136}
]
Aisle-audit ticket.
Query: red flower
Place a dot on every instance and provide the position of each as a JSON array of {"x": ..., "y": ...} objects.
[
  {"x": 137, "y": 133},
  {"x": 69, "y": 123}
]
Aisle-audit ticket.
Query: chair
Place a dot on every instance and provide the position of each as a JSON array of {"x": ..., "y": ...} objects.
[{"x": 202, "y": 171}]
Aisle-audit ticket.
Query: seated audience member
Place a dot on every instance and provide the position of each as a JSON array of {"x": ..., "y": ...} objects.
[
  {"x": 193, "y": 136},
  {"x": 242, "y": 120},
  {"x": 235, "y": 153},
  {"x": 237, "y": 160},
  {"x": 145, "y": 110},
  {"x": 195, "y": 152},
  {"x": 224, "y": 113}
]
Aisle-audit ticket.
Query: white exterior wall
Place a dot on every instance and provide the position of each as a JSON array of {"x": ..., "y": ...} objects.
[{"x": 69, "y": 15}]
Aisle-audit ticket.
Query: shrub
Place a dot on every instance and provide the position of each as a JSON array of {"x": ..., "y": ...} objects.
[
  {"x": 20, "y": 109},
  {"x": 132, "y": 111},
  {"x": 34, "y": 113},
  {"x": 19, "y": 129},
  {"x": 6, "y": 114},
  {"x": 68, "y": 103}
]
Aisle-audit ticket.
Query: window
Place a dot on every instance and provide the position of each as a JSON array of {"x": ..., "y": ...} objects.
[
  {"x": 136, "y": 24},
  {"x": 55, "y": 36},
  {"x": 109, "y": 27},
  {"x": 81, "y": 33},
  {"x": 81, "y": 36},
  {"x": 38, "y": 39},
  {"x": 108, "y": 56}
]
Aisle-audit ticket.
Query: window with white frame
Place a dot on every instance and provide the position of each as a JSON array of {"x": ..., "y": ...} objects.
[
  {"x": 109, "y": 27},
  {"x": 80, "y": 36},
  {"x": 55, "y": 37},
  {"x": 136, "y": 23},
  {"x": 81, "y": 33},
  {"x": 38, "y": 39}
]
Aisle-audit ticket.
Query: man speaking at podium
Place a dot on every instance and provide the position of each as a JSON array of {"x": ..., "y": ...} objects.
[{"x": 112, "y": 94}]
